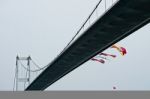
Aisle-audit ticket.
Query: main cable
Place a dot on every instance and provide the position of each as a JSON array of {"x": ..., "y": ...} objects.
[
  {"x": 37, "y": 65},
  {"x": 81, "y": 27},
  {"x": 32, "y": 70}
]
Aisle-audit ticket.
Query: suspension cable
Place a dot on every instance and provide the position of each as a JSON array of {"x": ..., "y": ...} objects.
[
  {"x": 38, "y": 65},
  {"x": 88, "y": 19},
  {"x": 35, "y": 64},
  {"x": 32, "y": 70},
  {"x": 81, "y": 27}
]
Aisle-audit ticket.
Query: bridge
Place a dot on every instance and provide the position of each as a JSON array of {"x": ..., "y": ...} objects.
[{"x": 121, "y": 20}]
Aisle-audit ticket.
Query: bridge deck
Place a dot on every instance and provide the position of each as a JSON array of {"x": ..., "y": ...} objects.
[{"x": 120, "y": 21}]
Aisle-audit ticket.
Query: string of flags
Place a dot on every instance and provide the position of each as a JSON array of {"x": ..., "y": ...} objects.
[{"x": 102, "y": 57}]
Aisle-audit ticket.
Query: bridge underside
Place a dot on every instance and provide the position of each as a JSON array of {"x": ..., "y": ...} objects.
[{"x": 120, "y": 21}]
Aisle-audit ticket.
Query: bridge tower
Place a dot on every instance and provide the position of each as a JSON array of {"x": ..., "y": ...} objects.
[{"x": 22, "y": 77}]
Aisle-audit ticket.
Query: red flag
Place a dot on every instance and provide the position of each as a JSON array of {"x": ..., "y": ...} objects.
[
  {"x": 122, "y": 50},
  {"x": 98, "y": 60},
  {"x": 105, "y": 54}
]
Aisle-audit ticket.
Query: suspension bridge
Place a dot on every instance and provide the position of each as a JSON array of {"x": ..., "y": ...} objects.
[{"x": 120, "y": 20}]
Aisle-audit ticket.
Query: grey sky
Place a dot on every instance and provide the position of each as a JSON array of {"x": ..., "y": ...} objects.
[{"x": 41, "y": 28}]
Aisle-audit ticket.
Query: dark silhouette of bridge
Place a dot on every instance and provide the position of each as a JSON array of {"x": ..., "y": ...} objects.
[{"x": 121, "y": 20}]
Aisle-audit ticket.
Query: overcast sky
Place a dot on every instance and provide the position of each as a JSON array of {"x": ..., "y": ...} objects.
[{"x": 42, "y": 28}]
